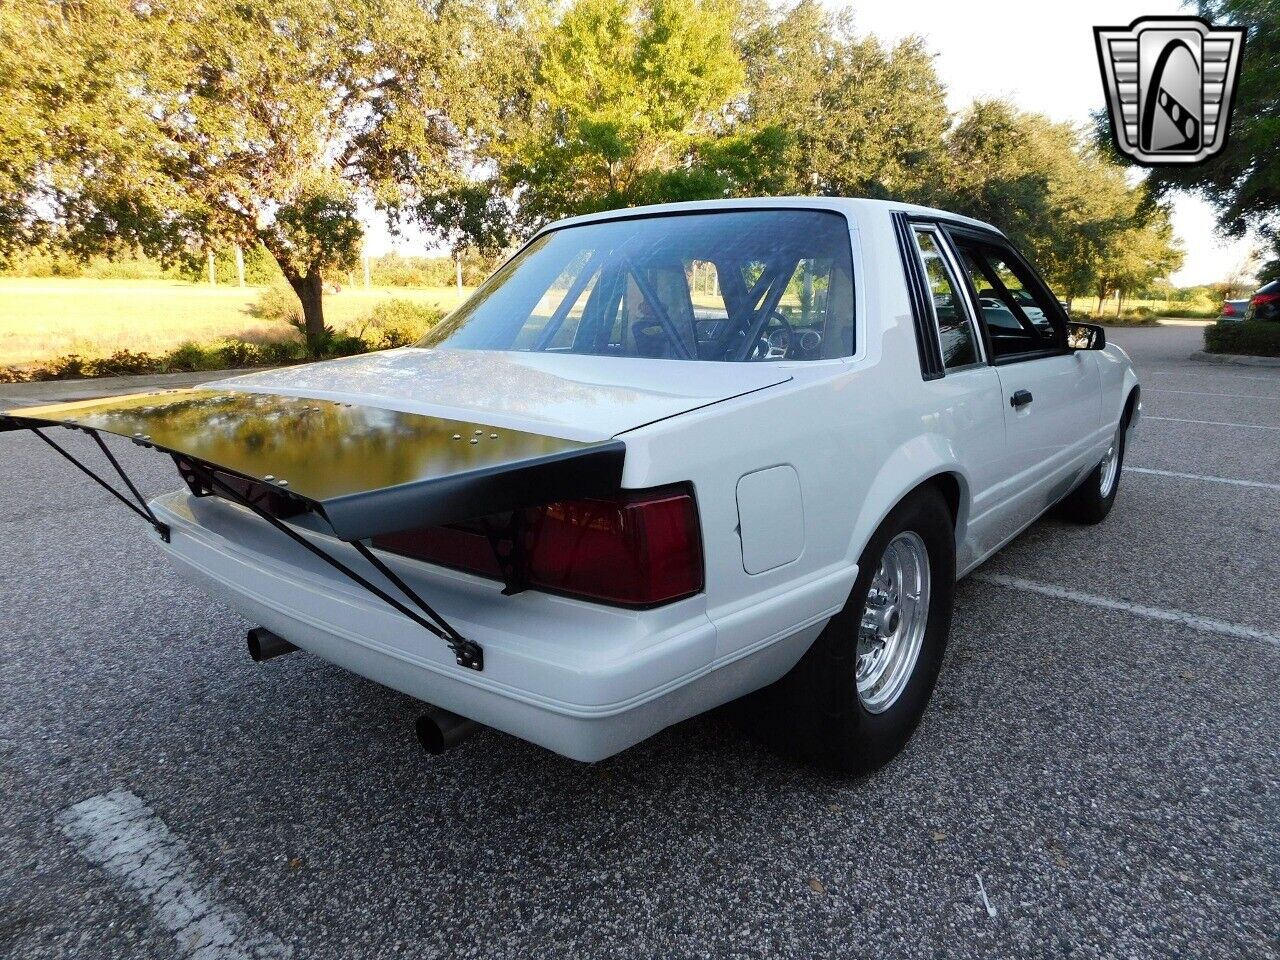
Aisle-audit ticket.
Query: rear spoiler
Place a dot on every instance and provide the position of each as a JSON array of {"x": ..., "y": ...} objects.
[{"x": 363, "y": 470}]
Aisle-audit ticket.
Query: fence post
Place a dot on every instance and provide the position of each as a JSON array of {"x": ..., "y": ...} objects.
[
  {"x": 213, "y": 272},
  {"x": 240, "y": 264}
]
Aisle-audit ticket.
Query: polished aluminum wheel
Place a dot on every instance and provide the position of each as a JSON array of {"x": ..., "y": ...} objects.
[
  {"x": 1110, "y": 466},
  {"x": 893, "y": 623}
]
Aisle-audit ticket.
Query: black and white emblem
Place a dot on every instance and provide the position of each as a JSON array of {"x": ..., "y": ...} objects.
[{"x": 1170, "y": 83}]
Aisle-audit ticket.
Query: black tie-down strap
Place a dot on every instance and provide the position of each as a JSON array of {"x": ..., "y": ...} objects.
[{"x": 205, "y": 479}]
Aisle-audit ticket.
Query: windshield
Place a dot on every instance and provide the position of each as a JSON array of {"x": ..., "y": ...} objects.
[{"x": 737, "y": 285}]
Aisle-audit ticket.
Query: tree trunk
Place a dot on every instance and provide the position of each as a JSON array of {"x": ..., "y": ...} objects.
[{"x": 310, "y": 290}]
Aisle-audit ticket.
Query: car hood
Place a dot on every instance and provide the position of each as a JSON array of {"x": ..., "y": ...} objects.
[{"x": 565, "y": 395}]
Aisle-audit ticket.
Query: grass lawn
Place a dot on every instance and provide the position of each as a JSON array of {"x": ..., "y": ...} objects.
[{"x": 43, "y": 318}]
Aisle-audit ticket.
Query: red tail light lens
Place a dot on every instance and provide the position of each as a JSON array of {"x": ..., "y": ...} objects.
[
  {"x": 1260, "y": 298},
  {"x": 641, "y": 549},
  {"x": 1228, "y": 311}
]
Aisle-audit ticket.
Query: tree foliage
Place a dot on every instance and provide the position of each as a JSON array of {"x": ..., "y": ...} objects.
[
  {"x": 848, "y": 116},
  {"x": 623, "y": 92},
  {"x": 1243, "y": 181},
  {"x": 173, "y": 128},
  {"x": 250, "y": 123}
]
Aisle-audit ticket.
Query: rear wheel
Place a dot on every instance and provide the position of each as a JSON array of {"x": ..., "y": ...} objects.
[{"x": 858, "y": 694}]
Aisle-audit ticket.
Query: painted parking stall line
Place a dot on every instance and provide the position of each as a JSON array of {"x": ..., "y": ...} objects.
[
  {"x": 1193, "y": 620},
  {"x": 1224, "y": 396},
  {"x": 1197, "y": 476},
  {"x": 122, "y": 836},
  {"x": 1208, "y": 423}
]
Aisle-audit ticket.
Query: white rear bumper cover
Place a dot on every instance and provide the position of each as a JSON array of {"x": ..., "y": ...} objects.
[{"x": 581, "y": 679}]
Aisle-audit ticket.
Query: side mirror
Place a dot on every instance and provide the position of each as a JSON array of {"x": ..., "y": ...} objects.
[{"x": 1086, "y": 336}]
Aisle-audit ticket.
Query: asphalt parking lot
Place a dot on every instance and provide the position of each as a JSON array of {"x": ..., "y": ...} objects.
[{"x": 1103, "y": 753}]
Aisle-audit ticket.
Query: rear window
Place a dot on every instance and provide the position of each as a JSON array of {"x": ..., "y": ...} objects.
[{"x": 759, "y": 285}]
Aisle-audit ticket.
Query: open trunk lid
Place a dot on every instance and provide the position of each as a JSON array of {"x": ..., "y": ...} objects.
[{"x": 366, "y": 470}]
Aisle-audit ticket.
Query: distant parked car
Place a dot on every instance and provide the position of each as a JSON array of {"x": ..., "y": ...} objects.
[
  {"x": 1234, "y": 309},
  {"x": 1265, "y": 304}
]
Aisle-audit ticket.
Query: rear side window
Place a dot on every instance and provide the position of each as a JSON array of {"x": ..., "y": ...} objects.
[
  {"x": 1015, "y": 312},
  {"x": 754, "y": 285},
  {"x": 959, "y": 345}
]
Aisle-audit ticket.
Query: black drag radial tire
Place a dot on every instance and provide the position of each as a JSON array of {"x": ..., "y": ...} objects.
[
  {"x": 1086, "y": 504},
  {"x": 814, "y": 712}
]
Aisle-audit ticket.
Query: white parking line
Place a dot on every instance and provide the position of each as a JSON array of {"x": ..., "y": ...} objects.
[
  {"x": 1152, "y": 613},
  {"x": 1197, "y": 476},
  {"x": 1210, "y": 393},
  {"x": 1210, "y": 423},
  {"x": 1217, "y": 374},
  {"x": 121, "y": 835}
]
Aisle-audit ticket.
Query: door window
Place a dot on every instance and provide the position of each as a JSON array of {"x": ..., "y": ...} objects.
[
  {"x": 1018, "y": 318},
  {"x": 959, "y": 345}
]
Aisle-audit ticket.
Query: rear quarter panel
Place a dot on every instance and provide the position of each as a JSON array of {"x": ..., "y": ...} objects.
[{"x": 860, "y": 433}]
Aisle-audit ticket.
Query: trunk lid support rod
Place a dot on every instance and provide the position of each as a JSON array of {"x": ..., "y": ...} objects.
[
  {"x": 141, "y": 508},
  {"x": 466, "y": 652}
]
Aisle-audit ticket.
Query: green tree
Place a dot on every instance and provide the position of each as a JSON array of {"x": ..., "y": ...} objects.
[
  {"x": 176, "y": 127},
  {"x": 1243, "y": 181},
  {"x": 624, "y": 91},
  {"x": 847, "y": 116},
  {"x": 1134, "y": 257}
]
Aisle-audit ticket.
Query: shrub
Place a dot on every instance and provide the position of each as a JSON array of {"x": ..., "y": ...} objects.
[
  {"x": 1202, "y": 312},
  {"x": 278, "y": 303},
  {"x": 396, "y": 323},
  {"x": 70, "y": 367},
  {"x": 276, "y": 352},
  {"x": 236, "y": 353},
  {"x": 124, "y": 363},
  {"x": 189, "y": 357},
  {"x": 1253, "y": 338}
]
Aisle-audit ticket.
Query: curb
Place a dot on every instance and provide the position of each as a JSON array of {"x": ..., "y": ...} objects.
[
  {"x": 1235, "y": 358},
  {"x": 66, "y": 391}
]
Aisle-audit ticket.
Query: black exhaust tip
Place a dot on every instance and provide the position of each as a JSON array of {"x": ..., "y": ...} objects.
[
  {"x": 265, "y": 645},
  {"x": 439, "y": 730}
]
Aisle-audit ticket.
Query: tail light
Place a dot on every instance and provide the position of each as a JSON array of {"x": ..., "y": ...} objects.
[
  {"x": 1228, "y": 310},
  {"x": 640, "y": 549},
  {"x": 1260, "y": 298}
]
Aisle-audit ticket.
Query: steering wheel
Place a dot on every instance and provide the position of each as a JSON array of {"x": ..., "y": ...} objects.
[
  {"x": 775, "y": 344},
  {"x": 768, "y": 346}
]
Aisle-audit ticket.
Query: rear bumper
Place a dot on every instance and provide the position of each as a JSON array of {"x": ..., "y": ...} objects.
[{"x": 581, "y": 679}]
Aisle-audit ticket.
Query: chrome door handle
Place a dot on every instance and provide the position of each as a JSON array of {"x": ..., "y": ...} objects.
[{"x": 1020, "y": 398}]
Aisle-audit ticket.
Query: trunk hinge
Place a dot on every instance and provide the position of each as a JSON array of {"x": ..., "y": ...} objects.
[{"x": 140, "y": 507}]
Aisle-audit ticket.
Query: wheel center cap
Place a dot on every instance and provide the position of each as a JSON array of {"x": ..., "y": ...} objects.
[{"x": 887, "y": 620}]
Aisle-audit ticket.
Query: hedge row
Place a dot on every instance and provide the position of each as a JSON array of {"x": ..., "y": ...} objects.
[{"x": 1252, "y": 338}]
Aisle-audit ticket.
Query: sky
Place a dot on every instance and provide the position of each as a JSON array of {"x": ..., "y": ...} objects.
[{"x": 1041, "y": 56}]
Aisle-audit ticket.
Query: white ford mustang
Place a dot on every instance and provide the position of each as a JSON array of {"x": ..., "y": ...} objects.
[{"x": 664, "y": 458}]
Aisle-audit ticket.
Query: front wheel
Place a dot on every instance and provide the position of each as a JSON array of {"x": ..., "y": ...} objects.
[
  {"x": 858, "y": 694},
  {"x": 1090, "y": 502}
]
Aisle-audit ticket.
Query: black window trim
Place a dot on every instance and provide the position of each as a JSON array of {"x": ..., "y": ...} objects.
[
  {"x": 1056, "y": 314},
  {"x": 928, "y": 345},
  {"x": 960, "y": 286}
]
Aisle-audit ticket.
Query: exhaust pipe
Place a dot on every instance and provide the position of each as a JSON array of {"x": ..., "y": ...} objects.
[
  {"x": 265, "y": 645},
  {"x": 439, "y": 730}
]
